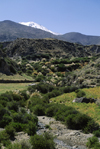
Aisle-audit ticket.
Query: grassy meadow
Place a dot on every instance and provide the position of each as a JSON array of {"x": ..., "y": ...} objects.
[
  {"x": 15, "y": 77},
  {"x": 91, "y": 109},
  {"x": 12, "y": 86}
]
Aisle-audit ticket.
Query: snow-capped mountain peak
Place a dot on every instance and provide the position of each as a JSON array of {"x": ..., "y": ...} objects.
[{"x": 35, "y": 25}]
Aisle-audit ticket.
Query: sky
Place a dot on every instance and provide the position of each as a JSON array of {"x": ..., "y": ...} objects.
[{"x": 60, "y": 16}]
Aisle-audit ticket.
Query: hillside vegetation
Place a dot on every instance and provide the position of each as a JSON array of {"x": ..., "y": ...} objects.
[{"x": 60, "y": 72}]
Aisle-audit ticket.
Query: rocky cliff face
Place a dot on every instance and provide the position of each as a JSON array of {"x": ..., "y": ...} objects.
[
  {"x": 4, "y": 68},
  {"x": 7, "y": 66}
]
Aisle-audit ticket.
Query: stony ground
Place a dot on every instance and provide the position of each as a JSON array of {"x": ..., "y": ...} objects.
[
  {"x": 69, "y": 139},
  {"x": 64, "y": 138}
]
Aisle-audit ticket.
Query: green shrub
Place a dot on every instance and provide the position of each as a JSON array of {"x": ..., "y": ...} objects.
[
  {"x": 31, "y": 128},
  {"x": 47, "y": 126},
  {"x": 61, "y": 67},
  {"x": 25, "y": 144},
  {"x": 97, "y": 133},
  {"x": 6, "y": 97},
  {"x": 54, "y": 93},
  {"x": 3, "y": 103},
  {"x": 13, "y": 106},
  {"x": 4, "y": 138},
  {"x": 93, "y": 142},
  {"x": 44, "y": 141},
  {"x": 24, "y": 94},
  {"x": 6, "y": 119},
  {"x": 69, "y": 89},
  {"x": 81, "y": 121},
  {"x": 91, "y": 126},
  {"x": 17, "y": 97},
  {"x": 51, "y": 110},
  {"x": 35, "y": 100},
  {"x": 39, "y": 110},
  {"x": 18, "y": 126},
  {"x": 80, "y": 93},
  {"x": 21, "y": 117},
  {"x": 41, "y": 87},
  {"x": 14, "y": 146},
  {"x": 39, "y": 78},
  {"x": 63, "y": 112},
  {"x": 10, "y": 130}
]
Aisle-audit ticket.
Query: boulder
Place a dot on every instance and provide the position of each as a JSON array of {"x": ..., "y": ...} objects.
[{"x": 85, "y": 100}]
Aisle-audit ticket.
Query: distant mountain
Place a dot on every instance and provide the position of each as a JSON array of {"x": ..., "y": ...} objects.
[
  {"x": 80, "y": 38},
  {"x": 10, "y": 31},
  {"x": 37, "y": 26}
]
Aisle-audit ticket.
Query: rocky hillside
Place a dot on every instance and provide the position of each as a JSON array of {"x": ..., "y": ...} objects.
[
  {"x": 7, "y": 66},
  {"x": 54, "y": 61},
  {"x": 36, "y": 48}
]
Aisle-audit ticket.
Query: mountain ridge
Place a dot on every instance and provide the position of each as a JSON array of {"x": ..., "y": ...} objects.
[
  {"x": 48, "y": 48},
  {"x": 35, "y": 25},
  {"x": 10, "y": 31}
]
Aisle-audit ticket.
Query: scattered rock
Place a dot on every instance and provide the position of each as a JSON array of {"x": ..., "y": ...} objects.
[
  {"x": 65, "y": 138},
  {"x": 85, "y": 100}
]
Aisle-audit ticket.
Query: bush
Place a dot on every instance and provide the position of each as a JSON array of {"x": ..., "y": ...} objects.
[
  {"x": 39, "y": 78},
  {"x": 47, "y": 126},
  {"x": 31, "y": 128},
  {"x": 80, "y": 93},
  {"x": 41, "y": 87},
  {"x": 24, "y": 94},
  {"x": 17, "y": 97},
  {"x": 81, "y": 121},
  {"x": 63, "y": 112},
  {"x": 6, "y": 119},
  {"x": 51, "y": 110},
  {"x": 39, "y": 110},
  {"x": 34, "y": 100},
  {"x": 61, "y": 67},
  {"x": 21, "y": 117},
  {"x": 54, "y": 93},
  {"x": 91, "y": 126},
  {"x": 10, "y": 130},
  {"x": 4, "y": 138},
  {"x": 25, "y": 144},
  {"x": 7, "y": 96},
  {"x": 13, "y": 106},
  {"x": 97, "y": 133},
  {"x": 3, "y": 102},
  {"x": 14, "y": 146},
  {"x": 93, "y": 142},
  {"x": 18, "y": 126},
  {"x": 21, "y": 145},
  {"x": 69, "y": 89},
  {"x": 44, "y": 141}
]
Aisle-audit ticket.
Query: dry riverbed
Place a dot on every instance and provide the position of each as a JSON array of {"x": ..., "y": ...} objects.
[
  {"x": 64, "y": 138},
  {"x": 67, "y": 139}
]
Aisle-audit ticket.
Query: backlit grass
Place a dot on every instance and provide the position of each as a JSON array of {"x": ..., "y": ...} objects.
[{"x": 91, "y": 109}]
